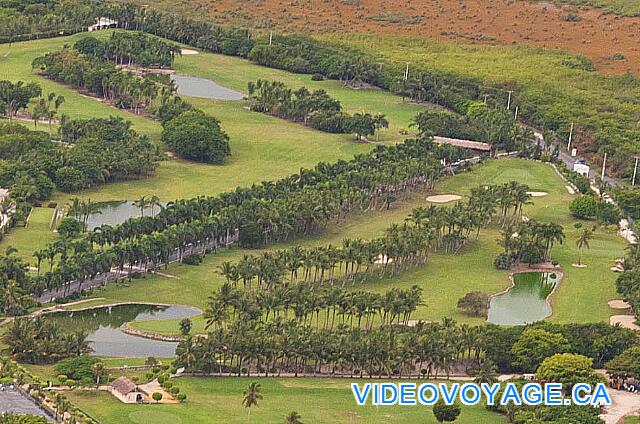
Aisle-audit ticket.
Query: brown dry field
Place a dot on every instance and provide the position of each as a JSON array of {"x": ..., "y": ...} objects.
[{"x": 596, "y": 35}]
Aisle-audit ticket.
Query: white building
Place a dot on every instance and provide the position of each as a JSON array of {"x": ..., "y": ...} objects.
[
  {"x": 581, "y": 169},
  {"x": 127, "y": 391},
  {"x": 103, "y": 23}
]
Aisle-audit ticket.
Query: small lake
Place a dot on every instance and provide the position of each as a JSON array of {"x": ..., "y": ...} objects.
[
  {"x": 526, "y": 301},
  {"x": 203, "y": 88},
  {"x": 117, "y": 212},
  {"x": 106, "y": 338}
]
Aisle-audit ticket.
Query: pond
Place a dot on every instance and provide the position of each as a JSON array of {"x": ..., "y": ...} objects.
[
  {"x": 525, "y": 302},
  {"x": 203, "y": 88},
  {"x": 117, "y": 212},
  {"x": 105, "y": 337}
]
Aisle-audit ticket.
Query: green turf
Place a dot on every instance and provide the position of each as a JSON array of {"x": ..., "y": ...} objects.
[
  {"x": 219, "y": 400},
  {"x": 581, "y": 297},
  {"x": 32, "y": 237}
]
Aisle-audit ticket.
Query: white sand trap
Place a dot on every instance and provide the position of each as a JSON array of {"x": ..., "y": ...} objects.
[
  {"x": 537, "y": 193},
  {"x": 626, "y": 321},
  {"x": 618, "y": 304},
  {"x": 570, "y": 190},
  {"x": 443, "y": 198},
  {"x": 187, "y": 52}
]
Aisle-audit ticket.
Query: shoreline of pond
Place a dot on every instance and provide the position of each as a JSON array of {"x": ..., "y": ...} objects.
[{"x": 537, "y": 269}]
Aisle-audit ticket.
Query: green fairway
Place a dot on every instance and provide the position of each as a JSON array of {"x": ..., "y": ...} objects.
[
  {"x": 581, "y": 297},
  {"x": 235, "y": 73},
  {"x": 263, "y": 147},
  {"x": 32, "y": 237},
  {"x": 219, "y": 400}
]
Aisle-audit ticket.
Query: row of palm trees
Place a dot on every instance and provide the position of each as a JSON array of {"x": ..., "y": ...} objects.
[
  {"x": 325, "y": 307},
  {"x": 125, "y": 90},
  {"x": 37, "y": 341},
  {"x": 531, "y": 241},
  {"x": 126, "y": 48},
  {"x": 403, "y": 246},
  {"x": 316, "y": 109},
  {"x": 301, "y": 204},
  {"x": 282, "y": 346}
]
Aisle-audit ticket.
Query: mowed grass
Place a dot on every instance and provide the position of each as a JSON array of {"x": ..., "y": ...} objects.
[
  {"x": 32, "y": 237},
  {"x": 235, "y": 73},
  {"x": 263, "y": 147},
  {"x": 581, "y": 297},
  {"x": 219, "y": 400}
]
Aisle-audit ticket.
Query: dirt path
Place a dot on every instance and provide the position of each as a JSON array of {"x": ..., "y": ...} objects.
[{"x": 624, "y": 403}]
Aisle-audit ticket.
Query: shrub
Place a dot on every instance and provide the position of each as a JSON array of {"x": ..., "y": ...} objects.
[
  {"x": 175, "y": 390},
  {"x": 475, "y": 303},
  {"x": 181, "y": 397},
  {"x": 317, "y": 77},
  {"x": 503, "y": 261},
  {"x": 196, "y": 136},
  {"x": 156, "y": 396},
  {"x": 608, "y": 213},
  {"x": 192, "y": 260},
  {"x": 78, "y": 368},
  {"x": 584, "y": 207},
  {"x": 69, "y": 227}
]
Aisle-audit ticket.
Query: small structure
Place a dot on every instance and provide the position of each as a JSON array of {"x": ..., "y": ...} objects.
[
  {"x": 581, "y": 168},
  {"x": 127, "y": 391},
  {"x": 103, "y": 23},
  {"x": 476, "y": 146}
]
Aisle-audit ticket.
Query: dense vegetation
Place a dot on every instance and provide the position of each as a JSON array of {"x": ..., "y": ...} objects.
[
  {"x": 353, "y": 62},
  {"x": 254, "y": 343},
  {"x": 125, "y": 90},
  {"x": 628, "y": 283},
  {"x": 37, "y": 341},
  {"x": 196, "y": 136},
  {"x": 316, "y": 109},
  {"x": 273, "y": 211},
  {"x": 103, "y": 150},
  {"x": 125, "y": 48},
  {"x": 479, "y": 122}
]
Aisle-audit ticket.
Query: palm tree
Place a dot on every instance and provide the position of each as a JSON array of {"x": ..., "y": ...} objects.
[
  {"x": 98, "y": 369},
  {"x": 379, "y": 121},
  {"x": 141, "y": 203},
  {"x": 583, "y": 241},
  {"x": 293, "y": 418},
  {"x": 486, "y": 373},
  {"x": 251, "y": 396}
]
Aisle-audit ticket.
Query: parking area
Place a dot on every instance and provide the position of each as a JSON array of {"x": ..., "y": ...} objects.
[{"x": 12, "y": 400}]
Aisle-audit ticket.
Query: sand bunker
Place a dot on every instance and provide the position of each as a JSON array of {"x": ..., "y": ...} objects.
[
  {"x": 537, "y": 193},
  {"x": 443, "y": 198},
  {"x": 186, "y": 52},
  {"x": 626, "y": 321},
  {"x": 618, "y": 304}
]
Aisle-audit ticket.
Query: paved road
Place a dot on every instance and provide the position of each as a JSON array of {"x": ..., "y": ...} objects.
[
  {"x": 570, "y": 161},
  {"x": 75, "y": 286}
]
